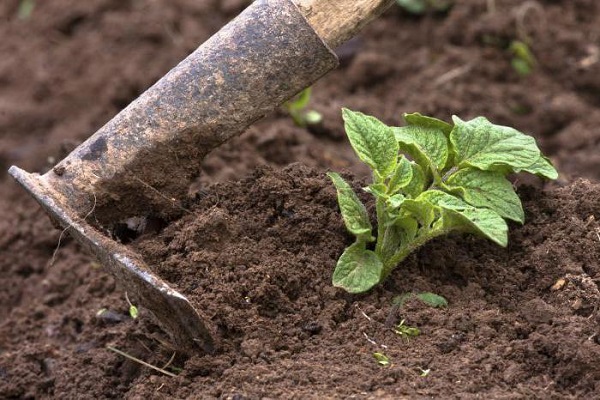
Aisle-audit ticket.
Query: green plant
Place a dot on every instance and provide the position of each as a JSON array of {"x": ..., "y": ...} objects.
[
  {"x": 296, "y": 107},
  {"x": 418, "y": 7},
  {"x": 133, "y": 310},
  {"x": 431, "y": 299},
  {"x": 25, "y": 9},
  {"x": 381, "y": 359},
  {"x": 405, "y": 331},
  {"x": 523, "y": 61},
  {"x": 430, "y": 178}
]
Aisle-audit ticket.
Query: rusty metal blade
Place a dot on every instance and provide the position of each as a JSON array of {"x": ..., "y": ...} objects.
[{"x": 173, "y": 311}]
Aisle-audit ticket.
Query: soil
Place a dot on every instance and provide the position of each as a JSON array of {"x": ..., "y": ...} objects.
[{"x": 256, "y": 250}]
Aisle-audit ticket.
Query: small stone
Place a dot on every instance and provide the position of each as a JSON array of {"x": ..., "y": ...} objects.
[
  {"x": 559, "y": 284},
  {"x": 312, "y": 327}
]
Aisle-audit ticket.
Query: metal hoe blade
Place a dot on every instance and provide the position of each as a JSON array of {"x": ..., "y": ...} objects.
[{"x": 141, "y": 162}]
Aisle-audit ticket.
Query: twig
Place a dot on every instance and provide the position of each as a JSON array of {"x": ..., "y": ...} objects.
[
  {"x": 370, "y": 340},
  {"x": 137, "y": 360},
  {"x": 170, "y": 361},
  {"x": 364, "y": 314},
  {"x": 452, "y": 74},
  {"x": 373, "y": 341}
]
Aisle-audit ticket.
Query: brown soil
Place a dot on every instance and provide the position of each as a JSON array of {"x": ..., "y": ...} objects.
[{"x": 256, "y": 253}]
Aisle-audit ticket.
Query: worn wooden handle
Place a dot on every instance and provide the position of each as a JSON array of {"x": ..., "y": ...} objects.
[{"x": 336, "y": 21}]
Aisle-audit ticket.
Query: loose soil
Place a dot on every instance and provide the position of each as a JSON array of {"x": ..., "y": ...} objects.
[{"x": 256, "y": 251}]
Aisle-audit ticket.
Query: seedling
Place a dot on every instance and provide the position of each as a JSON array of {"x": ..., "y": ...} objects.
[
  {"x": 523, "y": 60},
  {"x": 418, "y": 7},
  {"x": 405, "y": 331},
  {"x": 430, "y": 178},
  {"x": 431, "y": 299},
  {"x": 25, "y": 9},
  {"x": 381, "y": 359},
  {"x": 133, "y": 310},
  {"x": 296, "y": 107}
]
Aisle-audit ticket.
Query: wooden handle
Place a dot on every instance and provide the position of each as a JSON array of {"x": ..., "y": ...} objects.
[{"x": 336, "y": 21}]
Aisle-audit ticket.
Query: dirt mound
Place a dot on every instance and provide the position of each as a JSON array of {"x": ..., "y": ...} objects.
[{"x": 256, "y": 257}]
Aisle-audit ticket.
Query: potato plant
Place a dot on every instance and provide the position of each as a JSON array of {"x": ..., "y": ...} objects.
[{"x": 430, "y": 178}]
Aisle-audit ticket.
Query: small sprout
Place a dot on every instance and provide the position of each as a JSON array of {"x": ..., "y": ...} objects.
[
  {"x": 25, "y": 9},
  {"x": 133, "y": 310},
  {"x": 424, "y": 372},
  {"x": 405, "y": 331},
  {"x": 430, "y": 178},
  {"x": 296, "y": 107},
  {"x": 418, "y": 7},
  {"x": 432, "y": 299},
  {"x": 523, "y": 61},
  {"x": 381, "y": 359}
]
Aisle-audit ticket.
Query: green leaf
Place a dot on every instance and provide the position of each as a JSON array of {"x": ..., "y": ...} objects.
[
  {"x": 401, "y": 176},
  {"x": 420, "y": 209},
  {"x": 395, "y": 201},
  {"x": 427, "y": 146},
  {"x": 25, "y": 9},
  {"x": 521, "y": 66},
  {"x": 406, "y": 331},
  {"x": 458, "y": 215},
  {"x": 377, "y": 190},
  {"x": 353, "y": 210},
  {"x": 133, "y": 311},
  {"x": 542, "y": 167},
  {"x": 479, "y": 143},
  {"x": 417, "y": 183},
  {"x": 432, "y": 299},
  {"x": 382, "y": 359},
  {"x": 409, "y": 228},
  {"x": 523, "y": 60},
  {"x": 487, "y": 189},
  {"x": 300, "y": 101},
  {"x": 484, "y": 222},
  {"x": 372, "y": 140},
  {"x": 357, "y": 269},
  {"x": 428, "y": 122}
]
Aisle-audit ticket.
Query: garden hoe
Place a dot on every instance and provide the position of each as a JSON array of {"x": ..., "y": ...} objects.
[{"x": 143, "y": 160}]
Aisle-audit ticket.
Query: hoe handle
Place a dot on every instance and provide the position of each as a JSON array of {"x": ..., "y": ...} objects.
[{"x": 336, "y": 21}]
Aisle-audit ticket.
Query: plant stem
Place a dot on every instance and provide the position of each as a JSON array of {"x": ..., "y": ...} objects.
[
  {"x": 381, "y": 221},
  {"x": 404, "y": 251}
]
